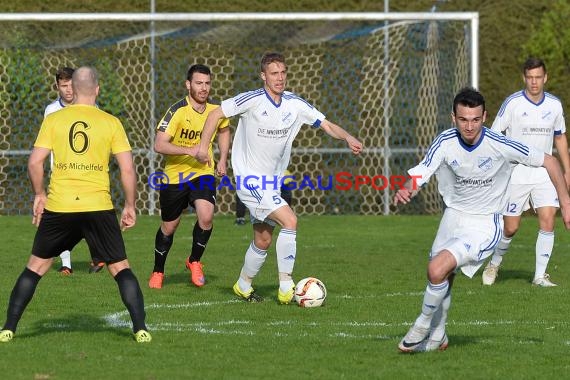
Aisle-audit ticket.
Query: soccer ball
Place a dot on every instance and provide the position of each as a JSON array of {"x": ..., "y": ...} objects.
[{"x": 310, "y": 292}]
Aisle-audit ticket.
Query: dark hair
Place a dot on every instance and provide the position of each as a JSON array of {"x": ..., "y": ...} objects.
[
  {"x": 271, "y": 58},
  {"x": 198, "y": 68},
  {"x": 65, "y": 73},
  {"x": 533, "y": 63},
  {"x": 468, "y": 97}
]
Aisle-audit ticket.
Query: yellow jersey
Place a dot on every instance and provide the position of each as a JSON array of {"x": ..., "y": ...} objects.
[
  {"x": 82, "y": 139},
  {"x": 184, "y": 124}
]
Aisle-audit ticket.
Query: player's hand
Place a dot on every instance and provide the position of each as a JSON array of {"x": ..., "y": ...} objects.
[
  {"x": 403, "y": 196},
  {"x": 565, "y": 211},
  {"x": 38, "y": 208},
  {"x": 128, "y": 218},
  {"x": 221, "y": 169},
  {"x": 354, "y": 144},
  {"x": 193, "y": 150},
  {"x": 204, "y": 157}
]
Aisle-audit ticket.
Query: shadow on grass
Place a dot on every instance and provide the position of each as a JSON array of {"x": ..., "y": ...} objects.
[
  {"x": 74, "y": 323},
  {"x": 464, "y": 340},
  {"x": 509, "y": 274}
]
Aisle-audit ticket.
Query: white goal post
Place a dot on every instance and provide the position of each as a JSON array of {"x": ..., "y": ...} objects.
[{"x": 386, "y": 77}]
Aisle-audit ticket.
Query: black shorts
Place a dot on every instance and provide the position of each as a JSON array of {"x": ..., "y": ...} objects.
[
  {"x": 175, "y": 198},
  {"x": 60, "y": 231}
]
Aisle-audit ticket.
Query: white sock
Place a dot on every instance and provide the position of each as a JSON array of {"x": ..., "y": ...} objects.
[
  {"x": 254, "y": 259},
  {"x": 286, "y": 247},
  {"x": 244, "y": 285},
  {"x": 440, "y": 318},
  {"x": 500, "y": 250},
  {"x": 544, "y": 245},
  {"x": 65, "y": 257},
  {"x": 433, "y": 298},
  {"x": 286, "y": 285}
]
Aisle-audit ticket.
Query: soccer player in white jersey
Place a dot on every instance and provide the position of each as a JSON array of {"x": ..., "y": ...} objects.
[
  {"x": 269, "y": 120},
  {"x": 536, "y": 118},
  {"x": 473, "y": 166},
  {"x": 65, "y": 97},
  {"x": 64, "y": 90}
]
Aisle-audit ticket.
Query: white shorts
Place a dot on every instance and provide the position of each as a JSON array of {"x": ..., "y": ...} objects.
[
  {"x": 469, "y": 238},
  {"x": 522, "y": 196},
  {"x": 259, "y": 201}
]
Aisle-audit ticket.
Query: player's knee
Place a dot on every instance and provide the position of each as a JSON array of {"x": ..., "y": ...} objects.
[
  {"x": 169, "y": 228},
  {"x": 116, "y": 268},
  {"x": 206, "y": 223},
  {"x": 435, "y": 275},
  {"x": 168, "y": 231},
  {"x": 290, "y": 222},
  {"x": 262, "y": 242},
  {"x": 439, "y": 269},
  {"x": 510, "y": 231},
  {"x": 546, "y": 224}
]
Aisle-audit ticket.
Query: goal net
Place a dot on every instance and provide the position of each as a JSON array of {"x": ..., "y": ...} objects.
[{"x": 388, "y": 81}]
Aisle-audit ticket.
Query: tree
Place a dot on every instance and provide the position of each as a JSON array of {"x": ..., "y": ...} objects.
[{"x": 550, "y": 41}]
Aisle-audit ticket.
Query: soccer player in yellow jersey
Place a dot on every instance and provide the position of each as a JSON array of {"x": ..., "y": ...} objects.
[
  {"x": 78, "y": 204},
  {"x": 189, "y": 181}
]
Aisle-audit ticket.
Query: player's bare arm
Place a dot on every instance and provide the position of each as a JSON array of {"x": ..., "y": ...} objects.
[
  {"x": 224, "y": 137},
  {"x": 561, "y": 144},
  {"x": 129, "y": 183},
  {"x": 207, "y": 132},
  {"x": 36, "y": 175},
  {"x": 163, "y": 144},
  {"x": 338, "y": 132},
  {"x": 554, "y": 171}
]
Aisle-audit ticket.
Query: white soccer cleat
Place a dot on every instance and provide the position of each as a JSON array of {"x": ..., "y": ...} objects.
[
  {"x": 543, "y": 281},
  {"x": 414, "y": 341},
  {"x": 490, "y": 274},
  {"x": 436, "y": 345}
]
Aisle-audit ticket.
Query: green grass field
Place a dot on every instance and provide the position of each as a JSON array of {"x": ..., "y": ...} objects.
[{"x": 374, "y": 268}]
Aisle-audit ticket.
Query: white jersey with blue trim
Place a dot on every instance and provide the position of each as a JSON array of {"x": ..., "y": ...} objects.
[
  {"x": 534, "y": 124},
  {"x": 474, "y": 178},
  {"x": 56, "y": 105},
  {"x": 266, "y": 130}
]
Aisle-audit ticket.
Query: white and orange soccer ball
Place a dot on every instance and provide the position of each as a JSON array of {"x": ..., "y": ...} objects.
[{"x": 310, "y": 292}]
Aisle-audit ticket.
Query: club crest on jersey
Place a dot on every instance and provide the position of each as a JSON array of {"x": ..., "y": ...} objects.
[
  {"x": 286, "y": 118},
  {"x": 485, "y": 163}
]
